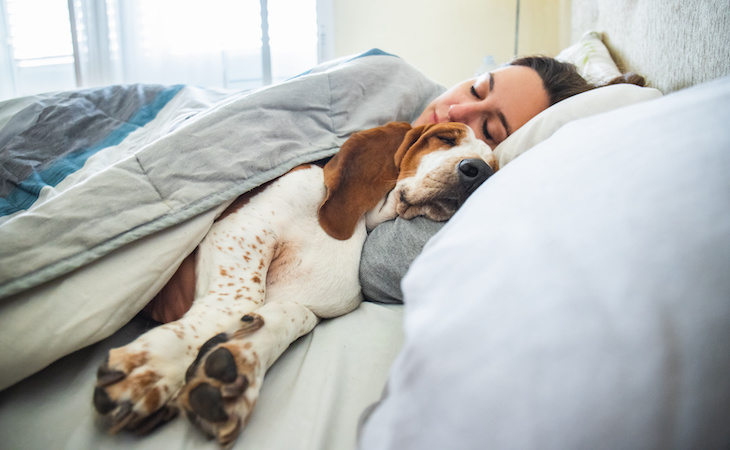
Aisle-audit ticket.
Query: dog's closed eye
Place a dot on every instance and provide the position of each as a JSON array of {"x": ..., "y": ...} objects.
[{"x": 448, "y": 140}]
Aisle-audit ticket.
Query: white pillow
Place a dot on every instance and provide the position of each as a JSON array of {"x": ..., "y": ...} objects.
[
  {"x": 579, "y": 106},
  {"x": 579, "y": 298},
  {"x": 592, "y": 58}
]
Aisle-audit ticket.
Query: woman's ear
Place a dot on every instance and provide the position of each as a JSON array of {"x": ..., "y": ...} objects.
[{"x": 359, "y": 176}]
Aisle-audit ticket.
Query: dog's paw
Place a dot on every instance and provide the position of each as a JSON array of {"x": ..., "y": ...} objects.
[
  {"x": 222, "y": 385},
  {"x": 134, "y": 388}
]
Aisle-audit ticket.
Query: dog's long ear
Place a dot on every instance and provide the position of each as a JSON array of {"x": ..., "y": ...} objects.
[
  {"x": 411, "y": 138},
  {"x": 359, "y": 176}
]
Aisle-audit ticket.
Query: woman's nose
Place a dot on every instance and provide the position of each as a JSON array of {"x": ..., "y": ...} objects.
[{"x": 463, "y": 112}]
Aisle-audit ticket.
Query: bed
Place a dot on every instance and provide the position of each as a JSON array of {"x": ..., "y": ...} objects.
[{"x": 598, "y": 291}]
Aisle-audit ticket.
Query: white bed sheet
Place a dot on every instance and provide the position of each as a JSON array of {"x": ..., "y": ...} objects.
[{"x": 312, "y": 397}]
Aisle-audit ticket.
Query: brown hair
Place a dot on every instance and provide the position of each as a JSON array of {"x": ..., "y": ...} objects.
[{"x": 562, "y": 80}]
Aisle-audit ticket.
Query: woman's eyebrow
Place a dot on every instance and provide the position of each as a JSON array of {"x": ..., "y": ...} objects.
[{"x": 500, "y": 115}]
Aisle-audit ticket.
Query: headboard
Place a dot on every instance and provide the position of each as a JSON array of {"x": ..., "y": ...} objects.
[{"x": 672, "y": 43}]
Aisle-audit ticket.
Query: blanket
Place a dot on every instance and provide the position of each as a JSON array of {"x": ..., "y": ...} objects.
[{"x": 105, "y": 190}]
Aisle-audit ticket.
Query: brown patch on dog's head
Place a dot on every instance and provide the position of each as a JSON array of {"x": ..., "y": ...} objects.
[{"x": 423, "y": 140}]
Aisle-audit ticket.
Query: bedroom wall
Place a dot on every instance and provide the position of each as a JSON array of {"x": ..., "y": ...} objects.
[
  {"x": 448, "y": 40},
  {"x": 673, "y": 43},
  {"x": 544, "y": 26}
]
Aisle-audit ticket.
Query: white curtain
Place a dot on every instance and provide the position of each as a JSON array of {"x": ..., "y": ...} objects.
[
  {"x": 231, "y": 44},
  {"x": 208, "y": 43}
]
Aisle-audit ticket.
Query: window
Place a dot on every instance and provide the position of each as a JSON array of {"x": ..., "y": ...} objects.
[
  {"x": 40, "y": 55},
  {"x": 231, "y": 44}
]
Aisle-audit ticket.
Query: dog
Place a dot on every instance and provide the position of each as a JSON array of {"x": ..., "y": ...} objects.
[{"x": 279, "y": 260}]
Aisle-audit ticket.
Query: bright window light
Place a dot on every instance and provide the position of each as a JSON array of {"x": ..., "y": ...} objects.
[
  {"x": 35, "y": 36},
  {"x": 64, "y": 44}
]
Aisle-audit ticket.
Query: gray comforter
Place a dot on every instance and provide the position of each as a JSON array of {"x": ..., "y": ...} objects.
[{"x": 105, "y": 190}]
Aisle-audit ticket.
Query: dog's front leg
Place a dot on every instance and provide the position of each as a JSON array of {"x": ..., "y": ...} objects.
[
  {"x": 223, "y": 383},
  {"x": 384, "y": 211}
]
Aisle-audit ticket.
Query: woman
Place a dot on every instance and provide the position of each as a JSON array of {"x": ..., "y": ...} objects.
[{"x": 494, "y": 105}]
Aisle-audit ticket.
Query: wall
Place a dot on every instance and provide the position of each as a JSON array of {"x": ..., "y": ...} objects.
[
  {"x": 544, "y": 26},
  {"x": 672, "y": 43},
  {"x": 448, "y": 39}
]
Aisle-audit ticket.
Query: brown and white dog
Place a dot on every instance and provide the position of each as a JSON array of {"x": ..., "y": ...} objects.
[{"x": 277, "y": 261}]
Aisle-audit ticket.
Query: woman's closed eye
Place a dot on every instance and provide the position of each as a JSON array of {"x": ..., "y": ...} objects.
[{"x": 485, "y": 131}]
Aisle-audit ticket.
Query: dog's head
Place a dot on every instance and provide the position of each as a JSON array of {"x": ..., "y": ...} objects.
[{"x": 427, "y": 171}]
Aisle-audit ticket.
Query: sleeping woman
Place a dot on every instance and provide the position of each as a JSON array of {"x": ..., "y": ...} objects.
[{"x": 494, "y": 105}]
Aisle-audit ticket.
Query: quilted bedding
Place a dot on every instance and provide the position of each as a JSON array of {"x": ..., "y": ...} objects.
[{"x": 105, "y": 190}]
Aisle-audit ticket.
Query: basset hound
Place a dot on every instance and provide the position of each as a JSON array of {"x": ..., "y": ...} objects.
[{"x": 276, "y": 262}]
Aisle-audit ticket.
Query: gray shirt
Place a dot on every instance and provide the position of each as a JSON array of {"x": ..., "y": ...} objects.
[{"x": 388, "y": 253}]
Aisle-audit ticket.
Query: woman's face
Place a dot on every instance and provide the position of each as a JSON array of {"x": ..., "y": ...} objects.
[{"x": 494, "y": 105}]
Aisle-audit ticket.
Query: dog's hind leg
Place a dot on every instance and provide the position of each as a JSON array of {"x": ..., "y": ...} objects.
[{"x": 224, "y": 383}]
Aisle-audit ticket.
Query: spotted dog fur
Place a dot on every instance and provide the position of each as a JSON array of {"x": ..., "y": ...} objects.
[{"x": 279, "y": 260}]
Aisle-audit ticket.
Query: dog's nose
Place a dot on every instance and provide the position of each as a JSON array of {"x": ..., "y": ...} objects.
[{"x": 472, "y": 173}]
